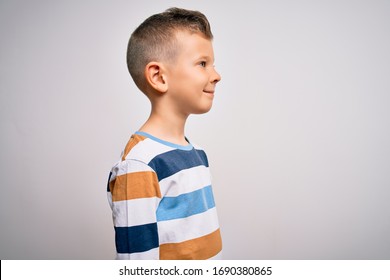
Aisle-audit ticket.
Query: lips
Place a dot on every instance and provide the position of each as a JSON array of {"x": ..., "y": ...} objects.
[{"x": 209, "y": 93}]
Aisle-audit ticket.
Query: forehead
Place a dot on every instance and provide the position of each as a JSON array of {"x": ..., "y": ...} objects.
[{"x": 194, "y": 44}]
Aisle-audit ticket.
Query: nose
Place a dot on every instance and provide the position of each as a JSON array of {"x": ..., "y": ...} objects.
[{"x": 215, "y": 77}]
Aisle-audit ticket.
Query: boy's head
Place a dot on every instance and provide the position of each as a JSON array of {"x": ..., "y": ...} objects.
[{"x": 155, "y": 39}]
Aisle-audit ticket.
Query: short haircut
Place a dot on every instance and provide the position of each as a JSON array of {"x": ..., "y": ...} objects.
[{"x": 155, "y": 39}]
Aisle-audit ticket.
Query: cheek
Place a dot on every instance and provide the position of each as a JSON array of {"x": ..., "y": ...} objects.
[
  {"x": 200, "y": 77},
  {"x": 184, "y": 76},
  {"x": 191, "y": 78}
]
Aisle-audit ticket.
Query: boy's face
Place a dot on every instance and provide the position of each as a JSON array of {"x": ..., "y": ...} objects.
[{"x": 192, "y": 77}]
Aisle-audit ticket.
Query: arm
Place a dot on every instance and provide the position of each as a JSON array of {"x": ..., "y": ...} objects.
[{"x": 134, "y": 194}]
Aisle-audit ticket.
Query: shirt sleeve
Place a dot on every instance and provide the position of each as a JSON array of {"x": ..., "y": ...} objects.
[{"x": 134, "y": 194}]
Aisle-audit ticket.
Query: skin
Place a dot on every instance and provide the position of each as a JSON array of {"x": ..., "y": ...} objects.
[{"x": 180, "y": 88}]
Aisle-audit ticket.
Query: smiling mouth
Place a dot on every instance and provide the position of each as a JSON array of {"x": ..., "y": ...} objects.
[{"x": 209, "y": 94}]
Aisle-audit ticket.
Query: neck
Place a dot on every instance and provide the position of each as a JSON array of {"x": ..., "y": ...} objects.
[{"x": 166, "y": 126}]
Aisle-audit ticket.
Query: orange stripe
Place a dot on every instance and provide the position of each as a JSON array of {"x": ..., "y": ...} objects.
[
  {"x": 135, "y": 185},
  {"x": 134, "y": 140},
  {"x": 201, "y": 248}
]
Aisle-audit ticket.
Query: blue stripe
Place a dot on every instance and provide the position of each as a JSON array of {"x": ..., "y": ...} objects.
[
  {"x": 108, "y": 183},
  {"x": 136, "y": 239},
  {"x": 169, "y": 144},
  {"x": 185, "y": 205},
  {"x": 171, "y": 162}
]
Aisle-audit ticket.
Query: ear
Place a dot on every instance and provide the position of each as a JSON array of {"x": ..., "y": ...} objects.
[{"x": 156, "y": 77}]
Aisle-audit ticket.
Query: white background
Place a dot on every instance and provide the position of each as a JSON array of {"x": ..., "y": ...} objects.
[{"x": 298, "y": 138}]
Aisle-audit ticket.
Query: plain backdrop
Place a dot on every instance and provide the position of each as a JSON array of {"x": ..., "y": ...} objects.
[{"x": 298, "y": 137}]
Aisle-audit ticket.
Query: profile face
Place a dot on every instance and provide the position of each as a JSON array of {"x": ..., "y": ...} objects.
[{"x": 192, "y": 76}]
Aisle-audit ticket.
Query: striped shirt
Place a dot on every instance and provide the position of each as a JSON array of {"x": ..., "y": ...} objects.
[{"x": 162, "y": 202}]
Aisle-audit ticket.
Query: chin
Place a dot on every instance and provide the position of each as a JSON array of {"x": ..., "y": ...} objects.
[{"x": 202, "y": 111}]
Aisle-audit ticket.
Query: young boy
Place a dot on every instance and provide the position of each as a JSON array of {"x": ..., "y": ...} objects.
[{"x": 160, "y": 191}]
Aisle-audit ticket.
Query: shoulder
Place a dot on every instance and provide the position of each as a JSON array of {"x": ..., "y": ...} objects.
[
  {"x": 143, "y": 149},
  {"x": 200, "y": 152}
]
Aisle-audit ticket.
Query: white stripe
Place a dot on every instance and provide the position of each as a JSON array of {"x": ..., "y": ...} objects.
[
  {"x": 109, "y": 197},
  {"x": 179, "y": 230},
  {"x": 140, "y": 211},
  {"x": 153, "y": 254},
  {"x": 129, "y": 166},
  {"x": 148, "y": 149},
  {"x": 185, "y": 181}
]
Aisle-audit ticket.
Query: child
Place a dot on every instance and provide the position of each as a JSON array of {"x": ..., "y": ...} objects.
[{"x": 160, "y": 191}]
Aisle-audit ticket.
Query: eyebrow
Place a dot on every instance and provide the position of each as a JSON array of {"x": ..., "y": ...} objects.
[{"x": 206, "y": 57}]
